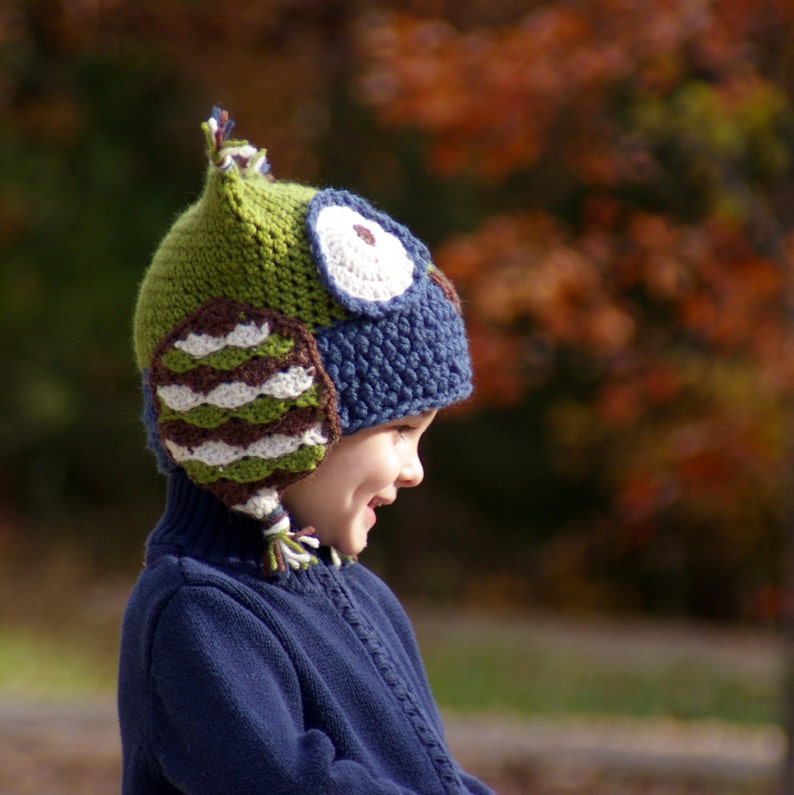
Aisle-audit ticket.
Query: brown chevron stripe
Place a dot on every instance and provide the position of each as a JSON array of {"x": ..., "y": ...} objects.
[
  {"x": 218, "y": 318},
  {"x": 242, "y": 433},
  {"x": 231, "y": 493},
  {"x": 203, "y": 378}
]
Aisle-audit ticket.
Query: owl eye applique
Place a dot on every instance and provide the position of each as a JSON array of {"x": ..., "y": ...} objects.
[{"x": 367, "y": 261}]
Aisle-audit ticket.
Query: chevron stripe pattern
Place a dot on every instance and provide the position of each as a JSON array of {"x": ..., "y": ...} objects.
[{"x": 244, "y": 405}]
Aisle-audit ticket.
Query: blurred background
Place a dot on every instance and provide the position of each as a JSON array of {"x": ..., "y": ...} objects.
[{"x": 608, "y": 182}]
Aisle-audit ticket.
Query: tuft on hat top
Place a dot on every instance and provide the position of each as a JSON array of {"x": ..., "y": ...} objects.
[{"x": 275, "y": 317}]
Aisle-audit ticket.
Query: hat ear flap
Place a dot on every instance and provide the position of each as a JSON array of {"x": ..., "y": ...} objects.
[{"x": 243, "y": 403}]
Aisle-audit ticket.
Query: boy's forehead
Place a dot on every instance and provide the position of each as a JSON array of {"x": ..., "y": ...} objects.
[{"x": 420, "y": 422}]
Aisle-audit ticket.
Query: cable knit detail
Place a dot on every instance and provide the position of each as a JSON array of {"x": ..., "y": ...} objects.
[{"x": 368, "y": 636}]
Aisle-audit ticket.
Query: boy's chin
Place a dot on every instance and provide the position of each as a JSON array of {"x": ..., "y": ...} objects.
[
  {"x": 351, "y": 550},
  {"x": 345, "y": 546},
  {"x": 352, "y": 546}
]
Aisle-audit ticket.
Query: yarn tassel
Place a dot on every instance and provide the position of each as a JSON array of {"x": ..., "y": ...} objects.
[
  {"x": 287, "y": 549},
  {"x": 224, "y": 125},
  {"x": 227, "y": 154}
]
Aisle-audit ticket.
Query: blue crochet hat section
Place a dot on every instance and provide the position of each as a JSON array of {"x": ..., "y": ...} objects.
[{"x": 405, "y": 363}]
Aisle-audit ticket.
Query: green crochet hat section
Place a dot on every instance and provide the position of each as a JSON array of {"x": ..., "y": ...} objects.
[{"x": 244, "y": 240}]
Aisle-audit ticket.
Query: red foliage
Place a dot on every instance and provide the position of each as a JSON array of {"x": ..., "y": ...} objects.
[
  {"x": 494, "y": 101},
  {"x": 687, "y": 327}
]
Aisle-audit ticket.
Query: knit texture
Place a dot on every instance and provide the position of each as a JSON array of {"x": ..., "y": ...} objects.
[
  {"x": 308, "y": 682},
  {"x": 244, "y": 240},
  {"x": 399, "y": 365},
  {"x": 275, "y": 317}
]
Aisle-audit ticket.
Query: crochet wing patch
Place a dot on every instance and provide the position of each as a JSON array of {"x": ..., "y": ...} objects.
[{"x": 243, "y": 403}]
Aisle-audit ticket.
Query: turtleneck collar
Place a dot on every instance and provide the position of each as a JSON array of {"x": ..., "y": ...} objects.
[{"x": 197, "y": 523}]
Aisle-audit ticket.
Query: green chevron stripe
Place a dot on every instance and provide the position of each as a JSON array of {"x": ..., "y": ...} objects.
[
  {"x": 251, "y": 470},
  {"x": 275, "y": 346}
]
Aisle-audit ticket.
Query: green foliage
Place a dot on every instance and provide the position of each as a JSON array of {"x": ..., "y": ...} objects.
[
  {"x": 91, "y": 180},
  {"x": 536, "y": 679},
  {"x": 33, "y": 666}
]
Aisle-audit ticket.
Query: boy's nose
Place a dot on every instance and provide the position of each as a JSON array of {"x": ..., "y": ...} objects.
[{"x": 412, "y": 472}]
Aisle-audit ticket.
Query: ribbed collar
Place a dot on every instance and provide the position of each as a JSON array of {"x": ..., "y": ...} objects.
[{"x": 198, "y": 524}]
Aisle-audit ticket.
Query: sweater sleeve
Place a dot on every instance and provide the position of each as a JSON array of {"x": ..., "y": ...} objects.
[{"x": 227, "y": 707}]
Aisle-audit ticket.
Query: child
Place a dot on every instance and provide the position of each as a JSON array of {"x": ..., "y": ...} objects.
[{"x": 295, "y": 344}]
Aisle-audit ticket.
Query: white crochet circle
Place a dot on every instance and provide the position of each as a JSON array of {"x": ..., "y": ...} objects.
[{"x": 361, "y": 258}]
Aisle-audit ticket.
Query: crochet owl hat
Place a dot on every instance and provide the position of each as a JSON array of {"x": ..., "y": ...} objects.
[{"x": 275, "y": 317}]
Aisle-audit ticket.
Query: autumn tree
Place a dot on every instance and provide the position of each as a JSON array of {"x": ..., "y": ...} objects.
[{"x": 630, "y": 260}]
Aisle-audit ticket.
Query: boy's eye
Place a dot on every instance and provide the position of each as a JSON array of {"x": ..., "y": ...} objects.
[
  {"x": 402, "y": 430},
  {"x": 410, "y": 430}
]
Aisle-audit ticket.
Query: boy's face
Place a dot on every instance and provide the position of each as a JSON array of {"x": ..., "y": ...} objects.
[{"x": 361, "y": 473}]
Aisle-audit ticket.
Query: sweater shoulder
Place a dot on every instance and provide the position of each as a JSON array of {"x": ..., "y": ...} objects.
[{"x": 169, "y": 575}]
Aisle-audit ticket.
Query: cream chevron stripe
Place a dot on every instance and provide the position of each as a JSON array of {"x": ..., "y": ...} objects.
[
  {"x": 216, "y": 453},
  {"x": 289, "y": 383},
  {"x": 245, "y": 335}
]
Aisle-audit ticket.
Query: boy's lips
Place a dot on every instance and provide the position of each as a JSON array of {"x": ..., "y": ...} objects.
[{"x": 377, "y": 502}]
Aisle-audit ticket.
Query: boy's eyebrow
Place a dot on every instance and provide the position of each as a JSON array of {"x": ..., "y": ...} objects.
[{"x": 414, "y": 422}]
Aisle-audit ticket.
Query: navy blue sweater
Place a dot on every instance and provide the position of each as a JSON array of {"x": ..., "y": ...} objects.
[{"x": 306, "y": 682}]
